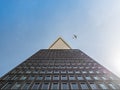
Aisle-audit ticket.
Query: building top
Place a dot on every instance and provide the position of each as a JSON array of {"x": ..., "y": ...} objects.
[{"x": 59, "y": 44}]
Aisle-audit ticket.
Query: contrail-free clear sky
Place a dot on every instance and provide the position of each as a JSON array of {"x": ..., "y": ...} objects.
[{"x": 29, "y": 25}]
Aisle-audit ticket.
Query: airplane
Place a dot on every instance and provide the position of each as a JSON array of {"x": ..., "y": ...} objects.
[{"x": 74, "y": 36}]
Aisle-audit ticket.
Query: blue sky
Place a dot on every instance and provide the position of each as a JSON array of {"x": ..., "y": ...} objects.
[{"x": 27, "y": 26}]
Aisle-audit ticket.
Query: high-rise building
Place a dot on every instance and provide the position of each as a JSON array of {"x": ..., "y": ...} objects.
[{"x": 60, "y": 68}]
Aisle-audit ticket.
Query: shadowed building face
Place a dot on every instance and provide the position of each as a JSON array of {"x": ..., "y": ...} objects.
[{"x": 60, "y": 68}]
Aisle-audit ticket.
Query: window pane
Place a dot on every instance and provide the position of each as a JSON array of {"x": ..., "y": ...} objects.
[
  {"x": 7, "y": 86},
  {"x": 77, "y": 71},
  {"x": 80, "y": 78},
  {"x": 49, "y": 71},
  {"x": 103, "y": 86},
  {"x": 112, "y": 86},
  {"x": 35, "y": 71},
  {"x": 64, "y": 78},
  {"x": 43, "y": 71},
  {"x": 84, "y": 86},
  {"x": 23, "y": 78},
  {"x": 71, "y": 77},
  {"x": 39, "y": 78},
  {"x": 70, "y": 71},
  {"x": 7, "y": 77},
  {"x": 84, "y": 72},
  {"x": 56, "y": 71},
  {"x": 47, "y": 78},
  {"x": 91, "y": 72},
  {"x": 45, "y": 86},
  {"x": 96, "y": 78},
  {"x": 15, "y": 78},
  {"x": 104, "y": 78},
  {"x": 74, "y": 86},
  {"x": 63, "y": 71},
  {"x": 16, "y": 86},
  {"x": 97, "y": 72},
  {"x": 55, "y": 77},
  {"x": 55, "y": 86},
  {"x": 64, "y": 86},
  {"x": 28, "y": 71},
  {"x": 35, "y": 86},
  {"x": 93, "y": 86},
  {"x": 26, "y": 86},
  {"x": 31, "y": 78},
  {"x": 88, "y": 78}
]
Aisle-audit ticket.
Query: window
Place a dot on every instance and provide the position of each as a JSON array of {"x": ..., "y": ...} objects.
[
  {"x": 55, "y": 86},
  {"x": 80, "y": 78},
  {"x": 88, "y": 78},
  {"x": 26, "y": 86},
  {"x": 39, "y": 77},
  {"x": 63, "y": 71},
  {"x": 77, "y": 71},
  {"x": 23, "y": 78},
  {"x": 97, "y": 72},
  {"x": 14, "y": 71},
  {"x": 103, "y": 86},
  {"x": 31, "y": 78},
  {"x": 44, "y": 66},
  {"x": 55, "y": 77},
  {"x": 63, "y": 67},
  {"x": 35, "y": 71},
  {"x": 51, "y": 67},
  {"x": 74, "y": 86},
  {"x": 15, "y": 78},
  {"x": 75, "y": 67},
  {"x": 7, "y": 86},
  {"x": 47, "y": 78},
  {"x": 7, "y": 77},
  {"x": 104, "y": 78},
  {"x": 64, "y": 77},
  {"x": 71, "y": 77},
  {"x": 28, "y": 71},
  {"x": 84, "y": 72},
  {"x": 36, "y": 86},
  {"x": 16, "y": 86},
  {"x": 93, "y": 67},
  {"x": 67, "y": 63},
  {"x": 70, "y": 71},
  {"x": 56, "y": 71},
  {"x": 49, "y": 71},
  {"x": 91, "y": 72},
  {"x": 56, "y": 67},
  {"x": 64, "y": 86},
  {"x": 84, "y": 86},
  {"x": 45, "y": 86},
  {"x": 69, "y": 67},
  {"x": 96, "y": 78},
  {"x": 43, "y": 71},
  {"x": 81, "y": 67},
  {"x": 111, "y": 78},
  {"x": 112, "y": 86},
  {"x": 93, "y": 86}
]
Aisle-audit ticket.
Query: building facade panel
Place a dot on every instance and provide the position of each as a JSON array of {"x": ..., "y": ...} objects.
[{"x": 60, "y": 69}]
